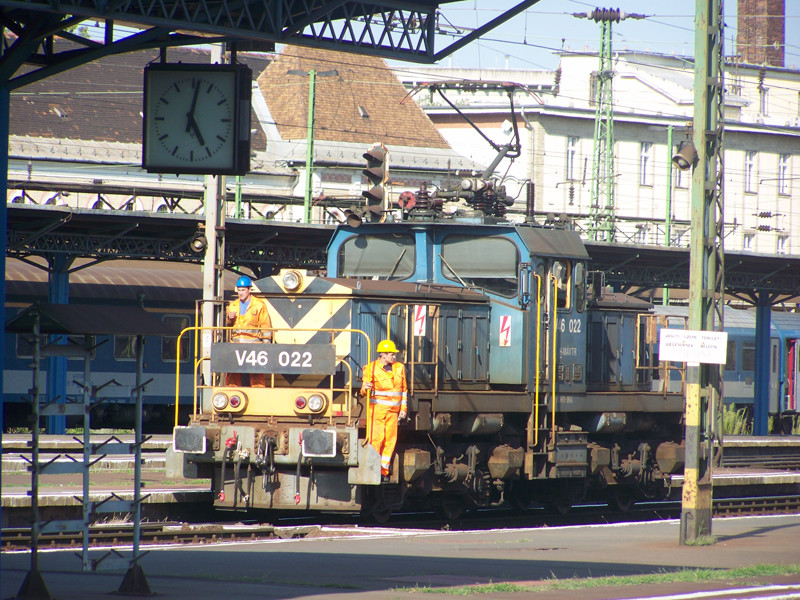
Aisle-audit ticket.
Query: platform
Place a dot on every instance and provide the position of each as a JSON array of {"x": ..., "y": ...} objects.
[{"x": 398, "y": 565}]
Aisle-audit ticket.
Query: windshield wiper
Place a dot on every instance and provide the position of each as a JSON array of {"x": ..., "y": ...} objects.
[{"x": 396, "y": 264}]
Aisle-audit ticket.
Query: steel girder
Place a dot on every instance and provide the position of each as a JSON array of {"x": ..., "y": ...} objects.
[
  {"x": 397, "y": 30},
  {"x": 633, "y": 267},
  {"x": 103, "y": 235},
  {"x": 133, "y": 236}
]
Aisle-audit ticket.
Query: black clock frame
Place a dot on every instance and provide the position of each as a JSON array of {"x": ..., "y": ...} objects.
[{"x": 240, "y": 164}]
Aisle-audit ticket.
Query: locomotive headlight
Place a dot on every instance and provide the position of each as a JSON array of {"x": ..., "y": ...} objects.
[
  {"x": 292, "y": 281},
  {"x": 219, "y": 401},
  {"x": 316, "y": 402}
]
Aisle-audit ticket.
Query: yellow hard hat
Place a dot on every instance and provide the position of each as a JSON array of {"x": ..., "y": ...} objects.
[{"x": 386, "y": 346}]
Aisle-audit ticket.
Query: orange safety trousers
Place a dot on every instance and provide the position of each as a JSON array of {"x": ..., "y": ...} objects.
[{"x": 383, "y": 433}]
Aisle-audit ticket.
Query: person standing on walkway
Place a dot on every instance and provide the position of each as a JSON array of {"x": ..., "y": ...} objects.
[
  {"x": 250, "y": 318},
  {"x": 385, "y": 378}
]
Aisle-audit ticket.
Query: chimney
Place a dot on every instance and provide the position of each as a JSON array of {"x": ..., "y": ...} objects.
[{"x": 761, "y": 32}]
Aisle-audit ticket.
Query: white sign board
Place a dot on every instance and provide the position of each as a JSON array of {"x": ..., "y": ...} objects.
[{"x": 678, "y": 345}]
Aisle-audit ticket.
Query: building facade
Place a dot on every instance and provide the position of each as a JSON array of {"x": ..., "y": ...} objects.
[{"x": 653, "y": 100}]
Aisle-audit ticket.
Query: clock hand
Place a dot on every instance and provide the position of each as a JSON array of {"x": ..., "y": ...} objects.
[
  {"x": 193, "y": 126},
  {"x": 190, "y": 114}
]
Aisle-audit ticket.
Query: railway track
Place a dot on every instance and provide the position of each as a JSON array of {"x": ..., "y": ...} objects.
[{"x": 121, "y": 534}]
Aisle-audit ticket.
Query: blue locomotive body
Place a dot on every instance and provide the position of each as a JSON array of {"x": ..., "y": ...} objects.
[{"x": 523, "y": 386}]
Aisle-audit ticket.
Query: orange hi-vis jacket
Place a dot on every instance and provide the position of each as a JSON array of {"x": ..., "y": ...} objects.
[
  {"x": 389, "y": 389},
  {"x": 249, "y": 326}
]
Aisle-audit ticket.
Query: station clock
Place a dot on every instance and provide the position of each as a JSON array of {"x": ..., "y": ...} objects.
[{"x": 196, "y": 119}]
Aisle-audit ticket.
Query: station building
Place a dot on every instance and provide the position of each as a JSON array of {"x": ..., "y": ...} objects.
[{"x": 653, "y": 100}]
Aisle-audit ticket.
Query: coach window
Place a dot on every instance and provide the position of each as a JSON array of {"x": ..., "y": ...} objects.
[
  {"x": 124, "y": 347},
  {"x": 748, "y": 356},
  {"x": 730, "y": 359},
  {"x": 377, "y": 257},
  {"x": 25, "y": 344},
  {"x": 169, "y": 343},
  {"x": 490, "y": 263}
]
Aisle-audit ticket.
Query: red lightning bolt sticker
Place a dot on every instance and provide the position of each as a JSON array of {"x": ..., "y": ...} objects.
[
  {"x": 505, "y": 331},
  {"x": 420, "y": 314}
]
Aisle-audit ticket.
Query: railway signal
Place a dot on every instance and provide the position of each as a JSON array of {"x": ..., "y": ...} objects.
[{"x": 377, "y": 174}]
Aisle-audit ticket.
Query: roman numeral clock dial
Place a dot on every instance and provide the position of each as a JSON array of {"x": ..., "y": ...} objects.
[{"x": 193, "y": 119}]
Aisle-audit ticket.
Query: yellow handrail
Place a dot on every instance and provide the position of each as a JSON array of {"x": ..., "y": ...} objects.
[
  {"x": 196, "y": 362},
  {"x": 538, "y": 347},
  {"x": 553, "y": 366}
]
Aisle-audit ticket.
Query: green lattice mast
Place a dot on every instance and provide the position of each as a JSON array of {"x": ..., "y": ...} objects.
[{"x": 603, "y": 208}]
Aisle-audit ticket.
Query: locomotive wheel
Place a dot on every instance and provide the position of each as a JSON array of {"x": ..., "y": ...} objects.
[
  {"x": 561, "y": 506},
  {"x": 379, "y": 514},
  {"x": 621, "y": 497},
  {"x": 377, "y": 507},
  {"x": 450, "y": 508},
  {"x": 524, "y": 500}
]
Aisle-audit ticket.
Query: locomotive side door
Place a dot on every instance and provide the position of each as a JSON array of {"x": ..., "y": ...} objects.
[
  {"x": 568, "y": 328},
  {"x": 774, "y": 383},
  {"x": 792, "y": 374}
]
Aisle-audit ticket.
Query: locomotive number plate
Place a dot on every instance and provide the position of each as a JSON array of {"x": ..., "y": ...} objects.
[{"x": 285, "y": 359}]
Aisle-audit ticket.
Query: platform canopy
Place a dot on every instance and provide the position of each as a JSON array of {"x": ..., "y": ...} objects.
[{"x": 88, "y": 319}]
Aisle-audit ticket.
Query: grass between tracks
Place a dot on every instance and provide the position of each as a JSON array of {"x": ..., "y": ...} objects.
[{"x": 679, "y": 576}]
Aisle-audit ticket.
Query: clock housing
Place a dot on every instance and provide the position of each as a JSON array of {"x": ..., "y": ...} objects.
[{"x": 196, "y": 119}]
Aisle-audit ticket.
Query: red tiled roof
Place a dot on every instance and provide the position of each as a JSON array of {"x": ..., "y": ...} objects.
[
  {"x": 362, "y": 104},
  {"x": 101, "y": 100}
]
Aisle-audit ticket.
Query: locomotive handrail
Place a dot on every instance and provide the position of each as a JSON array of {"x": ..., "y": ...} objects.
[
  {"x": 553, "y": 364},
  {"x": 198, "y": 329},
  {"x": 538, "y": 347},
  {"x": 412, "y": 362},
  {"x": 665, "y": 367},
  {"x": 347, "y": 390}
]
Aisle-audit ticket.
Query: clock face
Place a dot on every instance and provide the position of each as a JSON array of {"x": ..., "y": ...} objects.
[
  {"x": 193, "y": 120},
  {"x": 190, "y": 119}
]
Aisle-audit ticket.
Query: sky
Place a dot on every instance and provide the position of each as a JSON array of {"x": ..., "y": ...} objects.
[{"x": 530, "y": 40}]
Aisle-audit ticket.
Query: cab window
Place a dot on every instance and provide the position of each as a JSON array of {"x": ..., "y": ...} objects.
[
  {"x": 169, "y": 343},
  {"x": 579, "y": 282},
  {"x": 377, "y": 257},
  {"x": 490, "y": 263},
  {"x": 561, "y": 273}
]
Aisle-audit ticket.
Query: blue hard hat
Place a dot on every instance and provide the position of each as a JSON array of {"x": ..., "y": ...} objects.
[{"x": 244, "y": 281}]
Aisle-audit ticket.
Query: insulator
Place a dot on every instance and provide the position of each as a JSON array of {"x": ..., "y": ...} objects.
[
  {"x": 765, "y": 214},
  {"x": 605, "y": 15},
  {"x": 479, "y": 203}
]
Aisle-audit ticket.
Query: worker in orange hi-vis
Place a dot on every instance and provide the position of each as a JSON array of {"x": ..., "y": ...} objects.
[
  {"x": 250, "y": 317},
  {"x": 388, "y": 402}
]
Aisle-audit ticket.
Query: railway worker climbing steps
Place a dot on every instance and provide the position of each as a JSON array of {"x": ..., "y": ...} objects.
[
  {"x": 252, "y": 324},
  {"x": 385, "y": 378}
]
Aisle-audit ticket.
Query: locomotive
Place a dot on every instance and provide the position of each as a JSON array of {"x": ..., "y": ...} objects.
[{"x": 528, "y": 382}]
